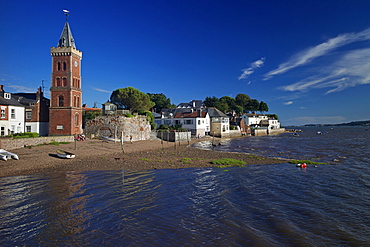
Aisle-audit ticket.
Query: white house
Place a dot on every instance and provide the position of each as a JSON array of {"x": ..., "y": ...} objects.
[
  {"x": 260, "y": 120},
  {"x": 198, "y": 122},
  {"x": 12, "y": 115},
  {"x": 253, "y": 119}
]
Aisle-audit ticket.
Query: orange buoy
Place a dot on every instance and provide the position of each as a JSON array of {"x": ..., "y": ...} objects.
[{"x": 303, "y": 165}]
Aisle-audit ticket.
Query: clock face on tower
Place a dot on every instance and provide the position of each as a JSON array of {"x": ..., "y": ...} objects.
[{"x": 76, "y": 63}]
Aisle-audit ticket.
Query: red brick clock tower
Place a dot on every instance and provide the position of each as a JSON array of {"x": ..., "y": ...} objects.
[{"x": 65, "y": 91}]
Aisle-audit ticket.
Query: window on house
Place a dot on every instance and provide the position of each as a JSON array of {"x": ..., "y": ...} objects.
[
  {"x": 12, "y": 114},
  {"x": 3, "y": 113},
  {"x": 7, "y": 96},
  {"x": 3, "y": 131},
  {"x": 188, "y": 122},
  {"x": 28, "y": 128},
  {"x": 28, "y": 114}
]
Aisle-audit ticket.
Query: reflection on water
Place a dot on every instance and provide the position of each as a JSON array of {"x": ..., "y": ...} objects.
[{"x": 258, "y": 205}]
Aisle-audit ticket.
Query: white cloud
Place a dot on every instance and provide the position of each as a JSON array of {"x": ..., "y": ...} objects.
[
  {"x": 101, "y": 90},
  {"x": 351, "y": 70},
  {"x": 21, "y": 89},
  {"x": 253, "y": 66},
  {"x": 288, "y": 103},
  {"x": 306, "y": 56}
]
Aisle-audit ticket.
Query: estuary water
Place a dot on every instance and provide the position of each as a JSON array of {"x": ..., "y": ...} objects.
[{"x": 256, "y": 205}]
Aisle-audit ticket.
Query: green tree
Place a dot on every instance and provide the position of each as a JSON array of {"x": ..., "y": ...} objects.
[
  {"x": 132, "y": 99},
  {"x": 161, "y": 101},
  {"x": 211, "y": 102},
  {"x": 242, "y": 100},
  {"x": 252, "y": 105},
  {"x": 273, "y": 116},
  {"x": 263, "y": 107},
  {"x": 229, "y": 103}
]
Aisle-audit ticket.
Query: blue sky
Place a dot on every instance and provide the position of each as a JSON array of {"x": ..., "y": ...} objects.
[{"x": 308, "y": 60}]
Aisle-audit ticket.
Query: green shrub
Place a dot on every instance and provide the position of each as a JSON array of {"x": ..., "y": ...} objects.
[{"x": 25, "y": 135}]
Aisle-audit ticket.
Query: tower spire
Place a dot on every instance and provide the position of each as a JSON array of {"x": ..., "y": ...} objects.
[{"x": 66, "y": 38}]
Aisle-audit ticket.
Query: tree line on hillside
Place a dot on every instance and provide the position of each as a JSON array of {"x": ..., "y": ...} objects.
[{"x": 132, "y": 99}]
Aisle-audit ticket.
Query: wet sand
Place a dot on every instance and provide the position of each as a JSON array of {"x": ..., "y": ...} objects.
[{"x": 103, "y": 155}]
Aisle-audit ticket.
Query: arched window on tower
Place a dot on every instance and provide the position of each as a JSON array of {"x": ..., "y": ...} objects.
[
  {"x": 58, "y": 66},
  {"x": 64, "y": 66},
  {"x": 64, "y": 83},
  {"x": 61, "y": 100},
  {"x": 57, "y": 82}
]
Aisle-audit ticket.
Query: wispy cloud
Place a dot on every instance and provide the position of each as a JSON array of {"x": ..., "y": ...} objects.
[
  {"x": 101, "y": 90},
  {"x": 21, "y": 89},
  {"x": 351, "y": 70},
  {"x": 316, "y": 120},
  {"x": 253, "y": 66},
  {"x": 288, "y": 103},
  {"x": 306, "y": 56}
]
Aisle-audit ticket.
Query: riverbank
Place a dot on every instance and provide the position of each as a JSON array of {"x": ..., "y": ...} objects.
[{"x": 103, "y": 155}]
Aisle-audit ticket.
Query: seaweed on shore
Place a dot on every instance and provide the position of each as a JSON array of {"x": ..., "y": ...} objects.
[{"x": 307, "y": 162}]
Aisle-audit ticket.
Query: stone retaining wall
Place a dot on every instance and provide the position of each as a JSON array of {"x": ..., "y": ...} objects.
[
  {"x": 10, "y": 144},
  {"x": 137, "y": 127},
  {"x": 277, "y": 131}
]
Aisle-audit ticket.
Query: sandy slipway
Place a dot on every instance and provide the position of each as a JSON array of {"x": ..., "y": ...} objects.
[{"x": 102, "y": 155}]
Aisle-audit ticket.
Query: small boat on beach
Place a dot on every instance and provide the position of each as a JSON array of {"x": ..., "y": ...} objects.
[
  {"x": 5, "y": 155},
  {"x": 110, "y": 139},
  {"x": 65, "y": 155}
]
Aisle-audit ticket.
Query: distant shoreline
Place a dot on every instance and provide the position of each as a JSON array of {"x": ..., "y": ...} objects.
[{"x": 92, "y": 155}]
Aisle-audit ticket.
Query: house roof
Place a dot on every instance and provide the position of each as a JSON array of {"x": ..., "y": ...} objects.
[
  {"x": 191, "y": 104},
  {"x": 195, "y": 114},
  {"x": 90, "y": 109},
  {"x": 10, "y": 102},
  {"x": 214, "y": 112},
  {"x": 66, "y": 38}
]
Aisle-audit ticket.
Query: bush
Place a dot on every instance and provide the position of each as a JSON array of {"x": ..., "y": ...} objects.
[{"x": 26, "y": 135}]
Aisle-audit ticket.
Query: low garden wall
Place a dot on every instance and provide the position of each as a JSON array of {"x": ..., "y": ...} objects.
[{"x": 10, "y": 143}]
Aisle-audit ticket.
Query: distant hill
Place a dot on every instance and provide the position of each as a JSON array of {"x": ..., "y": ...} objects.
[{"x": 355, "y": 123}]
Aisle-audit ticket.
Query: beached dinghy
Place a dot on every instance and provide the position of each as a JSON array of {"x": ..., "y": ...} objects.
[
  {"x": 5, "y": 155},
  {"x": 112, "y": 139},
  {"x": 65, "y": 155}
]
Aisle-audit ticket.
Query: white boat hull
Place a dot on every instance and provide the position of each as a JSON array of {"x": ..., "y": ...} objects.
[
  {"x": 65, "y": 155},
  {"x": 5, "y": 155}
]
